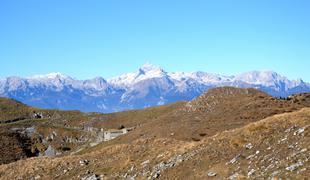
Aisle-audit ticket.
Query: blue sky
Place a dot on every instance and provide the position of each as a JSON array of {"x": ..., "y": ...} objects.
[{"x": 105, "y": 38}]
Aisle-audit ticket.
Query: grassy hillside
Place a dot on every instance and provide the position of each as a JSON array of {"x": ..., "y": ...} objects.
[
  {"x": 272, "y": 147},
  {"x": 13, "y": 110},
  {"x": 277, "y": 146},
  {"x": 218, "y": 110},
  {"x": 65, "y": 131}
]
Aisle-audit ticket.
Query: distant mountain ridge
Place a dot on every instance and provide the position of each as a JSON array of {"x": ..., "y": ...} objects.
[{"x": 149, "y": 86}]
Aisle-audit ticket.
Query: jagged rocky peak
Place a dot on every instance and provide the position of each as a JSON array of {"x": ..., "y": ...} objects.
[
  {"x": 147, "y": 71},
  {"x": 151, "y": 70},
  {"x": 97, "y": 83},
  {"x": 98, "y": 80}
]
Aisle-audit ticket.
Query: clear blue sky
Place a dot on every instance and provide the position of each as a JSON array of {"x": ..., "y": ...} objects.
[{"x": 109, "y": 37}]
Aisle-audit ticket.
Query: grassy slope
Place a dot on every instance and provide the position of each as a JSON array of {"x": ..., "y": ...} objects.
[
  {"x": 234, "y": 108},
  {"x": 276, "y": 146},
  {"x": 11, "y": 110},
  {"x": 66, "y": 124},
  {"x": 210, "y": 154}
]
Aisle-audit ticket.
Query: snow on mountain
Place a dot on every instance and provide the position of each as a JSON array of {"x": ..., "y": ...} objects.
[
  {"x": 273, "y": 81},
  {"x": 266, "y": 78},
  {"x": 14, "y": 83},
  {"x": 147, "y": 71},
  {"x": 149, "y": 86},
  {"x": 152, "y": 87},
  {"x": 201, "y": 77},
  {"x": 57, "y": 81},
  {"x": 97, "y": 83}
]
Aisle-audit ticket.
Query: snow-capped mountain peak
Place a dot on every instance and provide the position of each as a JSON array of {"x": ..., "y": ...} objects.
[
  {"x": 97, "y": 83},
  {"x": 201, "y": 77},
  {"x": 150, "y": 71},
  {"x": 267, "y": 78},
  {"x": 147, "y": 71}
]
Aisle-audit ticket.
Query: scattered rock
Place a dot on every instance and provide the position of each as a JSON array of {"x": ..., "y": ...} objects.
[
  {"x": 90, "y": 177},
  {"x": 234, "y": 176},
  {"x": 132, "y": 168},
  {"x": 303, "y": 150},
  {"x": 160, "y": 155},
  {"x": 291, "y": 147},
  {"x": 250, "y": 156},
  {"x": 251, "y": 172},
  {"x": 174, "y": 161},
  {"x": 299, "y": 131},
  {"x": 212, "y": 174},
  {"x": 257, "y": 152},
  {"x": 294, "y": 167},
  {"x": 235, "y": 159},
  {"x": 249, "y": 146},
  {"x": 84, "y": 162},
  {"x": 281, "y": 140},
  {"x": 145, "y": 162},
  {"x": 290, "y": 129},
  {"x": 156, "y": 175}
]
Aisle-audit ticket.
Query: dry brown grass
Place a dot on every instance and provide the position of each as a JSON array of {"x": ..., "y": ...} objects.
[
  {"x": 213, "y": 153},
  {"x": 263, "y": 135}
]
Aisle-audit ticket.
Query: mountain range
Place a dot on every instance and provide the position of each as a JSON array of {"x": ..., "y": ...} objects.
[{"x": 149, "y": 86}]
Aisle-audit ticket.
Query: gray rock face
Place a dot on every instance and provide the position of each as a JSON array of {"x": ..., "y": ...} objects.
[
  {"x": 50, "y": 151},
  {"x": 149, "y": 86}
]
